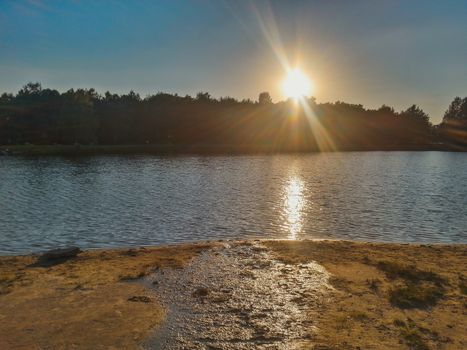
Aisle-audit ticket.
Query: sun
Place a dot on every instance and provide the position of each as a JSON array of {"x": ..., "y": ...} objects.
[{"x": 296, "y": 85}]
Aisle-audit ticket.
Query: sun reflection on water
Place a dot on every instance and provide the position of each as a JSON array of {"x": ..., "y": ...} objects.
[{"x": 293, "y": 206}]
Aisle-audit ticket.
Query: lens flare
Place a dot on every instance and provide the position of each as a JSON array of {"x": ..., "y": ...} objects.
[{"x": 297, "y": 85}]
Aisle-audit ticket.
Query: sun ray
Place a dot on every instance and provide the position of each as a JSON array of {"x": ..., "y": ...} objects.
[{"x": 321, "y": 135}]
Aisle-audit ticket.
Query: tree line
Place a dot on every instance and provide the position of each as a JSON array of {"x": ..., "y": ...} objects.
[{"x": 41, "y": 116}]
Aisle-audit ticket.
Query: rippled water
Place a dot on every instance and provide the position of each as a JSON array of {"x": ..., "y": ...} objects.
[{"x": 122, "y": 201}]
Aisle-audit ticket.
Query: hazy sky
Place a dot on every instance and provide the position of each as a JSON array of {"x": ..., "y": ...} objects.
[{"x": 370, "y": 52}]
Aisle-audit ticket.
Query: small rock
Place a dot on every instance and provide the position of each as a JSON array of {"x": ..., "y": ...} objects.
[
  {"x": 140, "y": 299},
  {"x": 62, "y": 253},
  {"x": 131, "y": 252},
  {"x": 201, "y": 292}
]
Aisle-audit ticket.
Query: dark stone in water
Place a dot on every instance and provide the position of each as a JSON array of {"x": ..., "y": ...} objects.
[
  {"x": 61, "y": 253},
  {"x": 5, "y": 152}
]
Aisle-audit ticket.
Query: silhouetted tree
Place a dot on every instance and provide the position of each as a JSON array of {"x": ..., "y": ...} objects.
[
  {"x": 45, "y": 116},
  {"x": 203, "y": 97},
  {"x": 264, "y": 98},
  {"x": 457, "y": 110},
  {"x": 30, "y": 89},
  {"x": 453, "y": 129},
  {"x": 416, "y": 125}
]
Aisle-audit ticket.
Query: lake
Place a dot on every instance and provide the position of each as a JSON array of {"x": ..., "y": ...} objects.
[{"x": 116, "y": 201}]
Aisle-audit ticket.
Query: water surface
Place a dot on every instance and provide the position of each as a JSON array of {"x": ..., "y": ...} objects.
[{"x": 113, "y": 201}]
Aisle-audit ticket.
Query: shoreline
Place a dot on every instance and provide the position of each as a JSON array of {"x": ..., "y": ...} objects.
[
  {"x": 210, "y": 242},
  {"x": 409, "y": 296},
  {"x": 88, "y": 150}
]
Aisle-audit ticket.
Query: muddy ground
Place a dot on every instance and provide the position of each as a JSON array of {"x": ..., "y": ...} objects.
[{"x": 239, "y": 295}]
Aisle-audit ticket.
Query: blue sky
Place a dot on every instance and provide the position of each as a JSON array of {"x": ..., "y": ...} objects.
[{"x": 371, "y": 52}]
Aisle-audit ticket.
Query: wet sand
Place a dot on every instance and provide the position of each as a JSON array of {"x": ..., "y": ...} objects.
[{"x": 240, "y": 295}]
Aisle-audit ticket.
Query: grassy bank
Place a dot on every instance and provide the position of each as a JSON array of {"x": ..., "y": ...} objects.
[{"x": 385, "y": 296}]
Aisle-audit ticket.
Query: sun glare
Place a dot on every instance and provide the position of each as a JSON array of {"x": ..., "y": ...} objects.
[{"x": 296, "y": 85}]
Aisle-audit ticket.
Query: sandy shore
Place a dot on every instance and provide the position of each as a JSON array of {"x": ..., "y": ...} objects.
[{"x": 235, "y": 295}]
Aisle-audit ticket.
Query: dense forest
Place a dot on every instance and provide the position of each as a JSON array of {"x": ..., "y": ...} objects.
[{"x": 40, "y": 116}]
